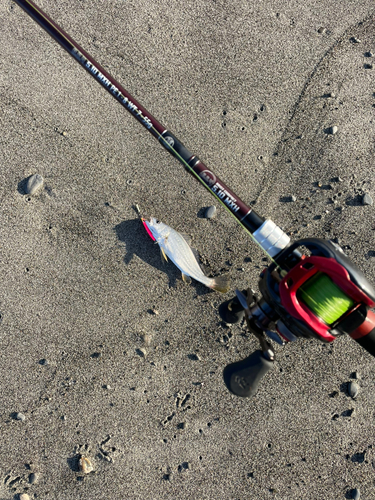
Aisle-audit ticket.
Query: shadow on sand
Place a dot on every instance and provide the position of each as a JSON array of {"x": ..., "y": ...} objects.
[{"x": 137, "y": 242}]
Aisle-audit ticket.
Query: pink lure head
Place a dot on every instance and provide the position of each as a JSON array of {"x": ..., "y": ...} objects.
[{"x": 145, "y": 223}]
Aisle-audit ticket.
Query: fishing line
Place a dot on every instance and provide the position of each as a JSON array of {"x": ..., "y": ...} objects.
[
  {"x": 320, "y": 294},
  {"x": 116, "y": 90},
  {"x": 192, "y": 171},
  {"x": 325, "y": 298}
]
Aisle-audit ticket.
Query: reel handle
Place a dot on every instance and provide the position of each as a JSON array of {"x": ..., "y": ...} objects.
[
  {"x": 242, "y": 378},
  {"x": 365, "y": 333}
]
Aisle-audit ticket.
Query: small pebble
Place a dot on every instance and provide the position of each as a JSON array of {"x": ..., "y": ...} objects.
[
  {"x": 33, "y": 478},
  {"x": 43, "y": 362},
  {"x": 34, "y": 183},
  {"x": 368, "y": 66},
  {"x": 353, "y": 39},
  {"x": 321, "y": 30},
  {"x": 24, "y": 496},
  {"x": 367, "y": 200},
  {"x": 141, "y": 352},
  {"x": 210, "y": 212},
  {"x": 356, "y": 494},
  {"x": 369, "y": 54},
  {"x": 147, "y": 339},
  {"x": 353, "y": 389},
  {"x": 20, "y": 416},
  {"x": 333, "y": 130},
  {"x": 85, "y": 465},
  {"x": 138, "y": 210},
  {"x": 293, "y": 198}
]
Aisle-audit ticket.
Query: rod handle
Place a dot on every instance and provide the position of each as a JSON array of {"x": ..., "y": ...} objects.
[{"x": 365, "y": 333}]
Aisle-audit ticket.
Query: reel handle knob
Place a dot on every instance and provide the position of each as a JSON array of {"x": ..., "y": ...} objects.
[{"x": 242, "y": 378}]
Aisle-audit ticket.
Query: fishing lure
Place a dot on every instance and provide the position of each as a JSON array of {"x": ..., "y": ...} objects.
[{"x": 175, "y": 246}]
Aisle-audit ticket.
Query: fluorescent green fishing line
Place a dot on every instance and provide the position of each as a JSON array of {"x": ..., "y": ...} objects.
[{"x": 325, "y": 299}]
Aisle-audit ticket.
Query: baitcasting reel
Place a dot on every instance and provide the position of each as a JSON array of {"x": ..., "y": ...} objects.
[{"x": 311, "y": 290}]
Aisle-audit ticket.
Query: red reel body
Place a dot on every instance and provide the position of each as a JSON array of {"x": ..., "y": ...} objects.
[{"x": 293, "y": 270}]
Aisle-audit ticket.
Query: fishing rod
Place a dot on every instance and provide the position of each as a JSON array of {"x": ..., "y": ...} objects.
[{"x": 310, "y": 290}]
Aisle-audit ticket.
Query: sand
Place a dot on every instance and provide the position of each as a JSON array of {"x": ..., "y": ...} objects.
[{"x": 105, "y": 352}]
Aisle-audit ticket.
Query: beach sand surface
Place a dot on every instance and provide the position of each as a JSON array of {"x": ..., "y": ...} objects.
[{"x": 105, "y": 354}]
